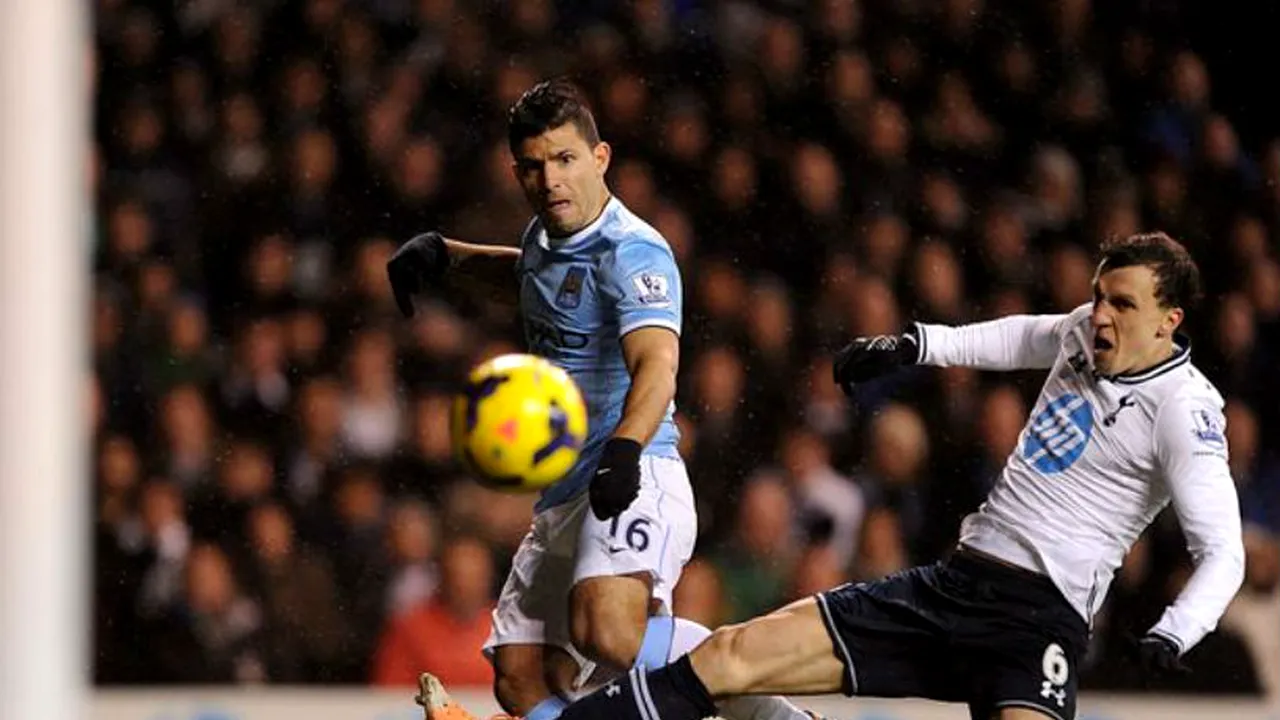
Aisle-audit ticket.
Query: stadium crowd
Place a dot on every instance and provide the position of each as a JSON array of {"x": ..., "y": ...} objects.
[{"x": 274, "y": 494}]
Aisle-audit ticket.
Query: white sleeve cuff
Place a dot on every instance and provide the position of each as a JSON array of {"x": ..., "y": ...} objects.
[{"x": 649, "y": 322}]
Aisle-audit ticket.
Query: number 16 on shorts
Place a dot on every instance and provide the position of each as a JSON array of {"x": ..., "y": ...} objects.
[
  {"x": 631, "y": 543},
  {"x": 636, "y": 536}
]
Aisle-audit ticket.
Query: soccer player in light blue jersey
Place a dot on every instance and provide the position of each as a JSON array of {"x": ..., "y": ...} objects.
[{"x": 599, "y": 294}]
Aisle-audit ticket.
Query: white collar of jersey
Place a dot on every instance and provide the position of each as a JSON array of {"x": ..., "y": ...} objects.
[
  {"x": 569, "y": 241},
  {"x": 1179, "y": 357}
]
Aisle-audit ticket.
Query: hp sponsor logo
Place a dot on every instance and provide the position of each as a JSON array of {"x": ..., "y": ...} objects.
[{"x": 1057, "y": 437}]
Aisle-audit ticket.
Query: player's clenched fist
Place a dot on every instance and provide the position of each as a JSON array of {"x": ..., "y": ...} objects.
[
  {"x": 616, "y": 483},
  {"x": 416, "y": 266},
  {"x": 870, "y": 357},
  {"x": 1156, "y": 655}
]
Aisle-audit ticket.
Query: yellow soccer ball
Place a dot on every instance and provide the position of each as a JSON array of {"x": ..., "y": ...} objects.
[{"x": 519, "y": 423}]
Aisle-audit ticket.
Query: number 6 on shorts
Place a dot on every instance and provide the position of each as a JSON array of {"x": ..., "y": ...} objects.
[{"x": 1055, "y": 666}]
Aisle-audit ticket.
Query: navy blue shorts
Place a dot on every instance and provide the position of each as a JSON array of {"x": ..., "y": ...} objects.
[{"x": 967, "y": 629}]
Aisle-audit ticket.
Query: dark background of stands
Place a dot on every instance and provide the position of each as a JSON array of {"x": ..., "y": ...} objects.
[{"x": 275, "y": 497}]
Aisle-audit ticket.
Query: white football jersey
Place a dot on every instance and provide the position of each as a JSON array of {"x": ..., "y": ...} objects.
[{"x": 1098, "y": 458}]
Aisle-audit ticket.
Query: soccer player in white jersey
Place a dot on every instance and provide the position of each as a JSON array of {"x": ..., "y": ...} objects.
[
  {"x": 599, "y": 294},
  {"x": 1124, "y": 424}
]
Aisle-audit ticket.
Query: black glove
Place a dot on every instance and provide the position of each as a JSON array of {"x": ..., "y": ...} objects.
[
  {"x": 870, "y": 357},
  {"x": 415, "y": 266},
  {"x": 1156, "y": 655},
  {"x": 617, "y": 480}
]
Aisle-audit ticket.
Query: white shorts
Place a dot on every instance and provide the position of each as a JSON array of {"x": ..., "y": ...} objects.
[{"x": 567, "y": 543}]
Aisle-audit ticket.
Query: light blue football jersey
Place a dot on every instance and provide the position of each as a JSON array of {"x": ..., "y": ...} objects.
[{"x": 578, "y": 296}]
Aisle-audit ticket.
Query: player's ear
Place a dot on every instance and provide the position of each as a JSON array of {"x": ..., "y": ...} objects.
[
  {"x": 1172, "y": 321},
  {"x": 603, "y": 154}
]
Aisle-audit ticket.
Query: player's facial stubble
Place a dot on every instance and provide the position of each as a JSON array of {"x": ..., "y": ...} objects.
[{"x": 563, "y": 178}]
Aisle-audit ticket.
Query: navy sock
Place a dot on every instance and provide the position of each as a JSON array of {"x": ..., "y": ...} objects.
[
  {"x": 672, "y": 692},
  {"x": 679, "y": 680}
]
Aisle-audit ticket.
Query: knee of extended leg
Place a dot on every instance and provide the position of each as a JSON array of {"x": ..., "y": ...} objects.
[{"x": 609, "y": 642}]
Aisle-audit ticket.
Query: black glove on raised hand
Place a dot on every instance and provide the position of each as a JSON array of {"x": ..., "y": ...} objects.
[
  {"x": 617, "y": 480},
  {"x": 870, "y": 357},
  {"x": 415, "y": 266},
  {"x": 1156, "y": 655}
]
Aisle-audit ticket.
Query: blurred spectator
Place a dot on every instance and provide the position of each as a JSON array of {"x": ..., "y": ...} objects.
[
  {"x": 721, "y": 445},
  {"x": 830, "y": 508},
  {"x": 168, "y": 542},
  {"x": 306, "y": 341},
  {"x": 216, "y": 634},
  {"x": 245, "y": 475},
  {"x": 753, "y": 562},
  {"x": 938, "y": 283},
  {"x": 355, "y": 541},
  {"x": 255, "y": 390},
  {"x": 186, "y": 355},
  {"x": 411, "y": 643},
  {"x": 119, "y": 472},
  {"x": 825, "y": 407},
  {"x": 427, "y": 465},
  {"x": 371, "y": 412},
  {"x": 269, "y": 273},
  {"x": 318, "y": 448},
  {"x": 699, "y": 596},
  {"x": 304, "y": 629},
  {"x": 1070, "y": 274},
  {"x": 412, "y": 579},
  {"x": 818, "y": 569},
  {"x": 119, "y": 564},
  {"x": 188, "y": 443},
  {"x": 897, "y": 451}
]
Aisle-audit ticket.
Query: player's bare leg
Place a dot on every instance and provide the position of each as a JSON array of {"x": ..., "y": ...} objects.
[
  {"x": 611, "y": 616},
  {"x": 690, "y": 635},
  {"x": 787, "y": 652},
  {"x": 560, "y": 671},
  {"x": 519, "y": 677},
  {"x": 608, "y": 618}
]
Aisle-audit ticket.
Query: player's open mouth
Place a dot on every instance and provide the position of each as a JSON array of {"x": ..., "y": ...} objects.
[
  {"x": 1100, "y": 343},
  {"x": 557, "y": 204}
]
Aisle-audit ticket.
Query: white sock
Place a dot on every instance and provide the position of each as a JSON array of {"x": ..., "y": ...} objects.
[{"x": 688, "y": 635}]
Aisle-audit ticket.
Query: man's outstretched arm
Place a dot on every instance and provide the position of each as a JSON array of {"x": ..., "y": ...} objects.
[
  {"x": 1017, "y": 342},
  {"x": 487, "y": 268},
  {"x": 430, "y": 259}
]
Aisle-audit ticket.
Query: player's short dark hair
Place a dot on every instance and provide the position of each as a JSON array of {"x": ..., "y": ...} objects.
[
  {"x": 1177, "y": 275},
  {"x": 546, "y": 106}
]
